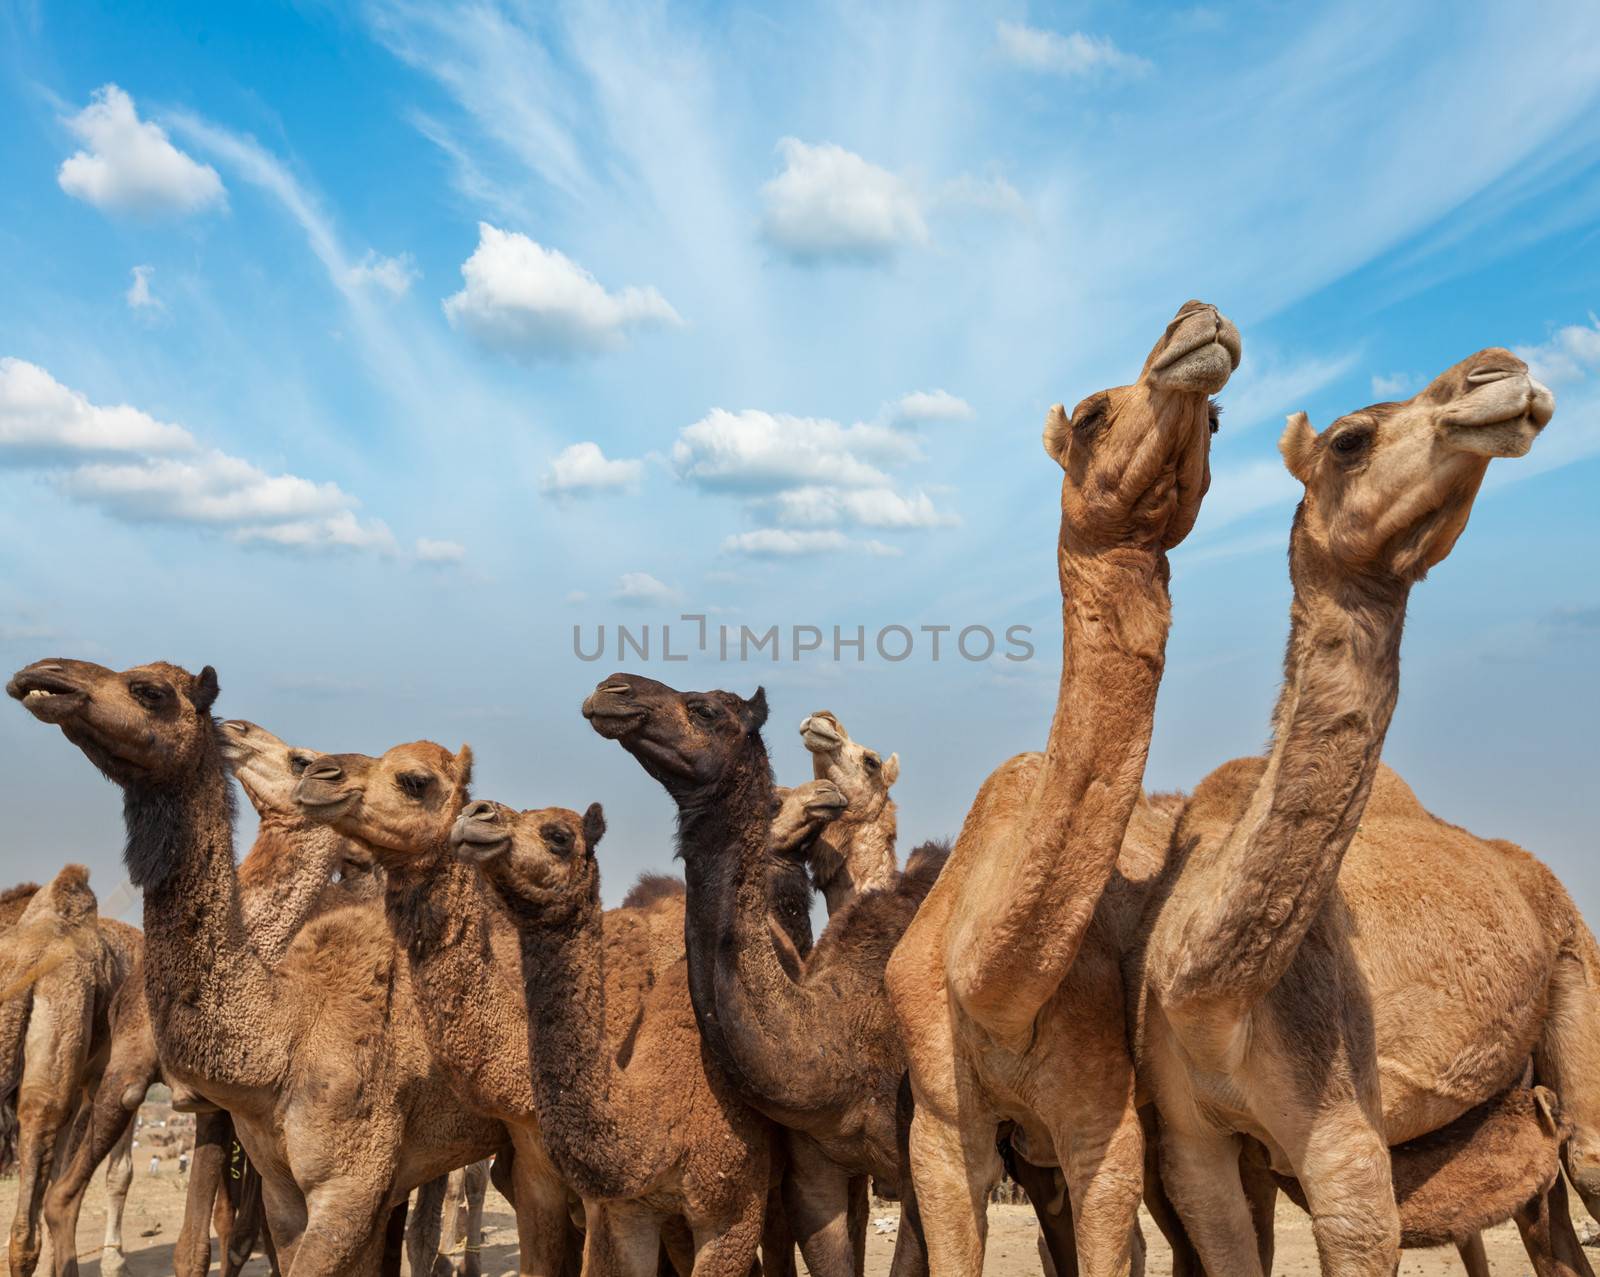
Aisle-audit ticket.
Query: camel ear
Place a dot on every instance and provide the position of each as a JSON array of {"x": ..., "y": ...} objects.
[
  {"x": 594, "y": 826},
  {"x": 1545, "y": 1101},
  {"x": 758, "y": 708},
  {"x": 891, "y": 770},
  {"x": 1299, "y": 447},
  {"x": 205, "y": 690},
  {"x": 1056, "y": 428},
  {"x": 464, "y": 767}
]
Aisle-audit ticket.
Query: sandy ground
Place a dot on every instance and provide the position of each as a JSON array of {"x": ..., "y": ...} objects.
[{"x": 155, "y": 1211}]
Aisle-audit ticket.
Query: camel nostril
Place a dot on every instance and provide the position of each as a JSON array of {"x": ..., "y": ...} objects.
[
  {"x": 481, "y": 811},
  {"x": 324, "y": 771},
  {"x": 616, "y": 689}
]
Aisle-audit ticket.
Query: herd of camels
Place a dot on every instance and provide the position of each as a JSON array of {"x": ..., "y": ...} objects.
[{"x": 1294, "y": 978}]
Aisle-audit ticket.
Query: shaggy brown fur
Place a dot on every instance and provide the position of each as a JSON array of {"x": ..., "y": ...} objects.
[
  {"x": 810, "y": 1043},
  {"x": 321, "y": 1061},
  {"x": 985, "y": 966},
  {"x": 658, "y": 1136},
  {"x": 652, "y": 887}
]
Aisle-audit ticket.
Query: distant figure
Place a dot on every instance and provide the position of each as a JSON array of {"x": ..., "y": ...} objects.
[
  {"x": 183, "y": 1163},
  {"x": 155, "y": 1163}
]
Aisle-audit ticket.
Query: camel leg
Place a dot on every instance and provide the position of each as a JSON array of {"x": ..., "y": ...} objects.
[
  {"x": 286, "y": 1217},
  {"x": 1565, "y": 1238},
  {"x": 621, "y": 1240},
  {"x": 1344, "y": 1168},
  {"x": 910, "y": 1242},
  {"x": 191, "y": 1255},
  {"x": 350, "y": 1226},
  {"x": 247, "y": 1225},
  {"x": 1473, "y": 1258},
  {"x": 1185, "y": 1259},
  {"x": 426, "y": 1226},
  {"x": 46, "y": 1103},
  {"x": 1200, "y": 1170},
  {"x": 1261, "y": 1190},
  {"x": 816, "y": 1198},
  {"x": 393, "y": 1249},
  {"x": 119, "y": 1178},
  {"x": 466, "y": 1220},
  {"x": 110, "y": 1124},
  {"x": 1102, "y": 1155},
  {"x": 954, "y": 1167},
  {"x": 777, "y": 1240},
  {"x": 860, "y": 1206},
  {"x": 540, "y": 1198},
  {"x": 1046, "y": 1190},
  {"x": 729, "y": 1248}
]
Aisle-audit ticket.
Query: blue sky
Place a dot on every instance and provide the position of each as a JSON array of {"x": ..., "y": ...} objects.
[{"x": 364, "y": 351}]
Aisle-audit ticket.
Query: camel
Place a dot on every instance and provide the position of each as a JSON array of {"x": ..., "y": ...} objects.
[
  {"x": 647, "y": 1138},
  {"x": 13, "y": 1028},
  {"x": 1004, "y": 924},
  {"x": 283, "y": 881},
  {"x": 1254, "y": 1013},
  {"x": 813, "y": 1048},
  {"x": 322, "y": 1060},
  {"x": 855, "y": 853},
  {"x": 456, "y": 938},
  {"x": 66, "y": 963}
]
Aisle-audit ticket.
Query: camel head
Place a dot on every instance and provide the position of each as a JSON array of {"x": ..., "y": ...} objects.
[
  {"x": 804, "y": 812},
  {"x": 399, "y": 805},
  {"x": 1136, "y": 458},
  {"x": 1389, "y": 488},
  {"x": 541, "y": 863},
  {"x": 146, "y": 726},
  {"x": 691, "y": 742},
  {"x": 860, "y": 773},
  {"x": 267, "y": 769}
]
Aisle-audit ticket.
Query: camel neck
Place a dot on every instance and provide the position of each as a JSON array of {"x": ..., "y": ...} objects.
[
  {"x": 857, "y": 856},
  {"x": 473, "y": 1010},
  {"x": 207, "y": 987},
  {"x": 601, "y": 1136},
  {"x": 759, "y": 1024},
  {"x": 1046, "y": 877},
  {"x": 281, "y": 881},
  {"x": 1273, "y": 873}
]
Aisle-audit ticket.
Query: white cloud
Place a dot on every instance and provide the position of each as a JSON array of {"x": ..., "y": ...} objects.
[
  {"x": 139, "y": 296},
  {"x": 1269, "y": 389},
  {"x": 640, "y": 589},
  {"x": 1395, "y": 386},
  {"x": 132, "y": 467},
  {"x": 781, "y": 543},
  {"x": 829, "y": 204},
  {"x": 1073, "y": 54},
  {"x": 43, "y": 422},
  {"x": 1570, "y": 355},
  {"x": 527, "y": 300},
  {"x": 431, "y": 551},
  {"x": 930, "y": 405},
  {"x": 813, "y": 507},
  {"x": 985, "y": 195},
  {"x": 755, "y": 451},
  {"x": 583, "y": 470},
  {"x": 394, "y": 275},
  {"x": 129, "y": 165}
]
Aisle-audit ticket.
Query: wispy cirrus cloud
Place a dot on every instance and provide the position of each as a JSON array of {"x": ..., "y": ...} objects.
[
  {"x": 1071, "y": 54},
  {"x": 640, "y": 589},
  {"x": 129, "y": 165}
]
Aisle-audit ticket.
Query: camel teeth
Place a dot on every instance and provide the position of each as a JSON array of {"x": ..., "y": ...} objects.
[{"x": 37, "y": 694}]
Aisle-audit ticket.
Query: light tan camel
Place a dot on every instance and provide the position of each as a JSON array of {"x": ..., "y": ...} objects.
[
  {"x": 283, "y": 880},
  {"x": 1256, "y": 1015},
  {"x": 855, "y": 853},
  {"x": 993, "y": 943},
  {"x": 67, "y": 963},
  {"x": 655, "y": 1134},
  {"x": 322, "y": 1060}
]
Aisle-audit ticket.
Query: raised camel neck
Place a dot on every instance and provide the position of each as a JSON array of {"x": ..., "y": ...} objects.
[
  {"x": 208, "y": 989},
  {"x": 1006, "y": 961},
  {"x": 762, "y": 1027},
  {"x": 602, "y": 1133},
  {"x": 1247, "y": 903},
  {"x": 475, "y": 1017},
  {"x": 856, "y": 856},
  {"x": 282, "y": 878}
]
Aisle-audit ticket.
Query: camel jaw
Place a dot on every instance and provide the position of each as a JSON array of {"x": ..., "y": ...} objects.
[
  {"x": 819, "y": 736},
  {"x": 476, "y": 841},
  {"x": 611, "y": 720},
  {"x": 50, "y": 700}
]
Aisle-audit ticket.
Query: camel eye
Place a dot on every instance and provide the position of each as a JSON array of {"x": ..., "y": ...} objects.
[
  {"x": 414, "y": 784},
  {"x": 703, "y": 712},
  {"x": 558, "y": 838},
  {"x": 298, "y": 763},
  {"x": 872, "y": 762},
  {"x": 148, "y": 694},
  {"x": 1351, "y": 443}
]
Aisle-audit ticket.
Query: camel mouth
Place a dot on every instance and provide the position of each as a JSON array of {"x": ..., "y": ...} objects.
[
  {"x": 323, "y": 804},
  {"x": 820, "y": 736},
  {"x": 475, "y": 840},
  {"x": 1501, "y": 415},
  {"x": 611, "y": 719},
  {"x": 827, "y": 807},
  {"x": 1202, "y": 353},
  {"x": 47, "y": 698}
]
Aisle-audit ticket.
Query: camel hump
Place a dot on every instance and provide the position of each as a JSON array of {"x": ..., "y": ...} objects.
[
  {"x": 1392, "y": 797},
  {"x": 22, "y": 891},
  {"x": 1224, "y": 794},
  {"x": 651, "y": 888},
  {"x": 925, "y": 862},
  {"x": 69, "y": 896}
]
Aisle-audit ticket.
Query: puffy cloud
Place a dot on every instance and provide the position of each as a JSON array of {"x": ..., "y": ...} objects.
[
  {"x": 43, "y": 422},
  {"x": 1392, "y": 387},
  {"x": 1571, "y": 354},
  {"x": 866, "y": 507},
  {"x": 640, "y": 589},
  {"x": 930, "y": 405},
  {"x": 829, "y": 204},
  {"x": 755, "y": 451},
  {"x": 530, "y": 301},
  {"x": 431, "y": 551},
  {"x": 1073, "y": 54},
  {"x": 132, "y": 467},
  {"x": 782, "y": 543},
  {"x": 129, "y": 165},
  {"x": 394, "y": 275},
  {"x": 583, "y": 470},
  {"x": 139, "y": 296}
]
